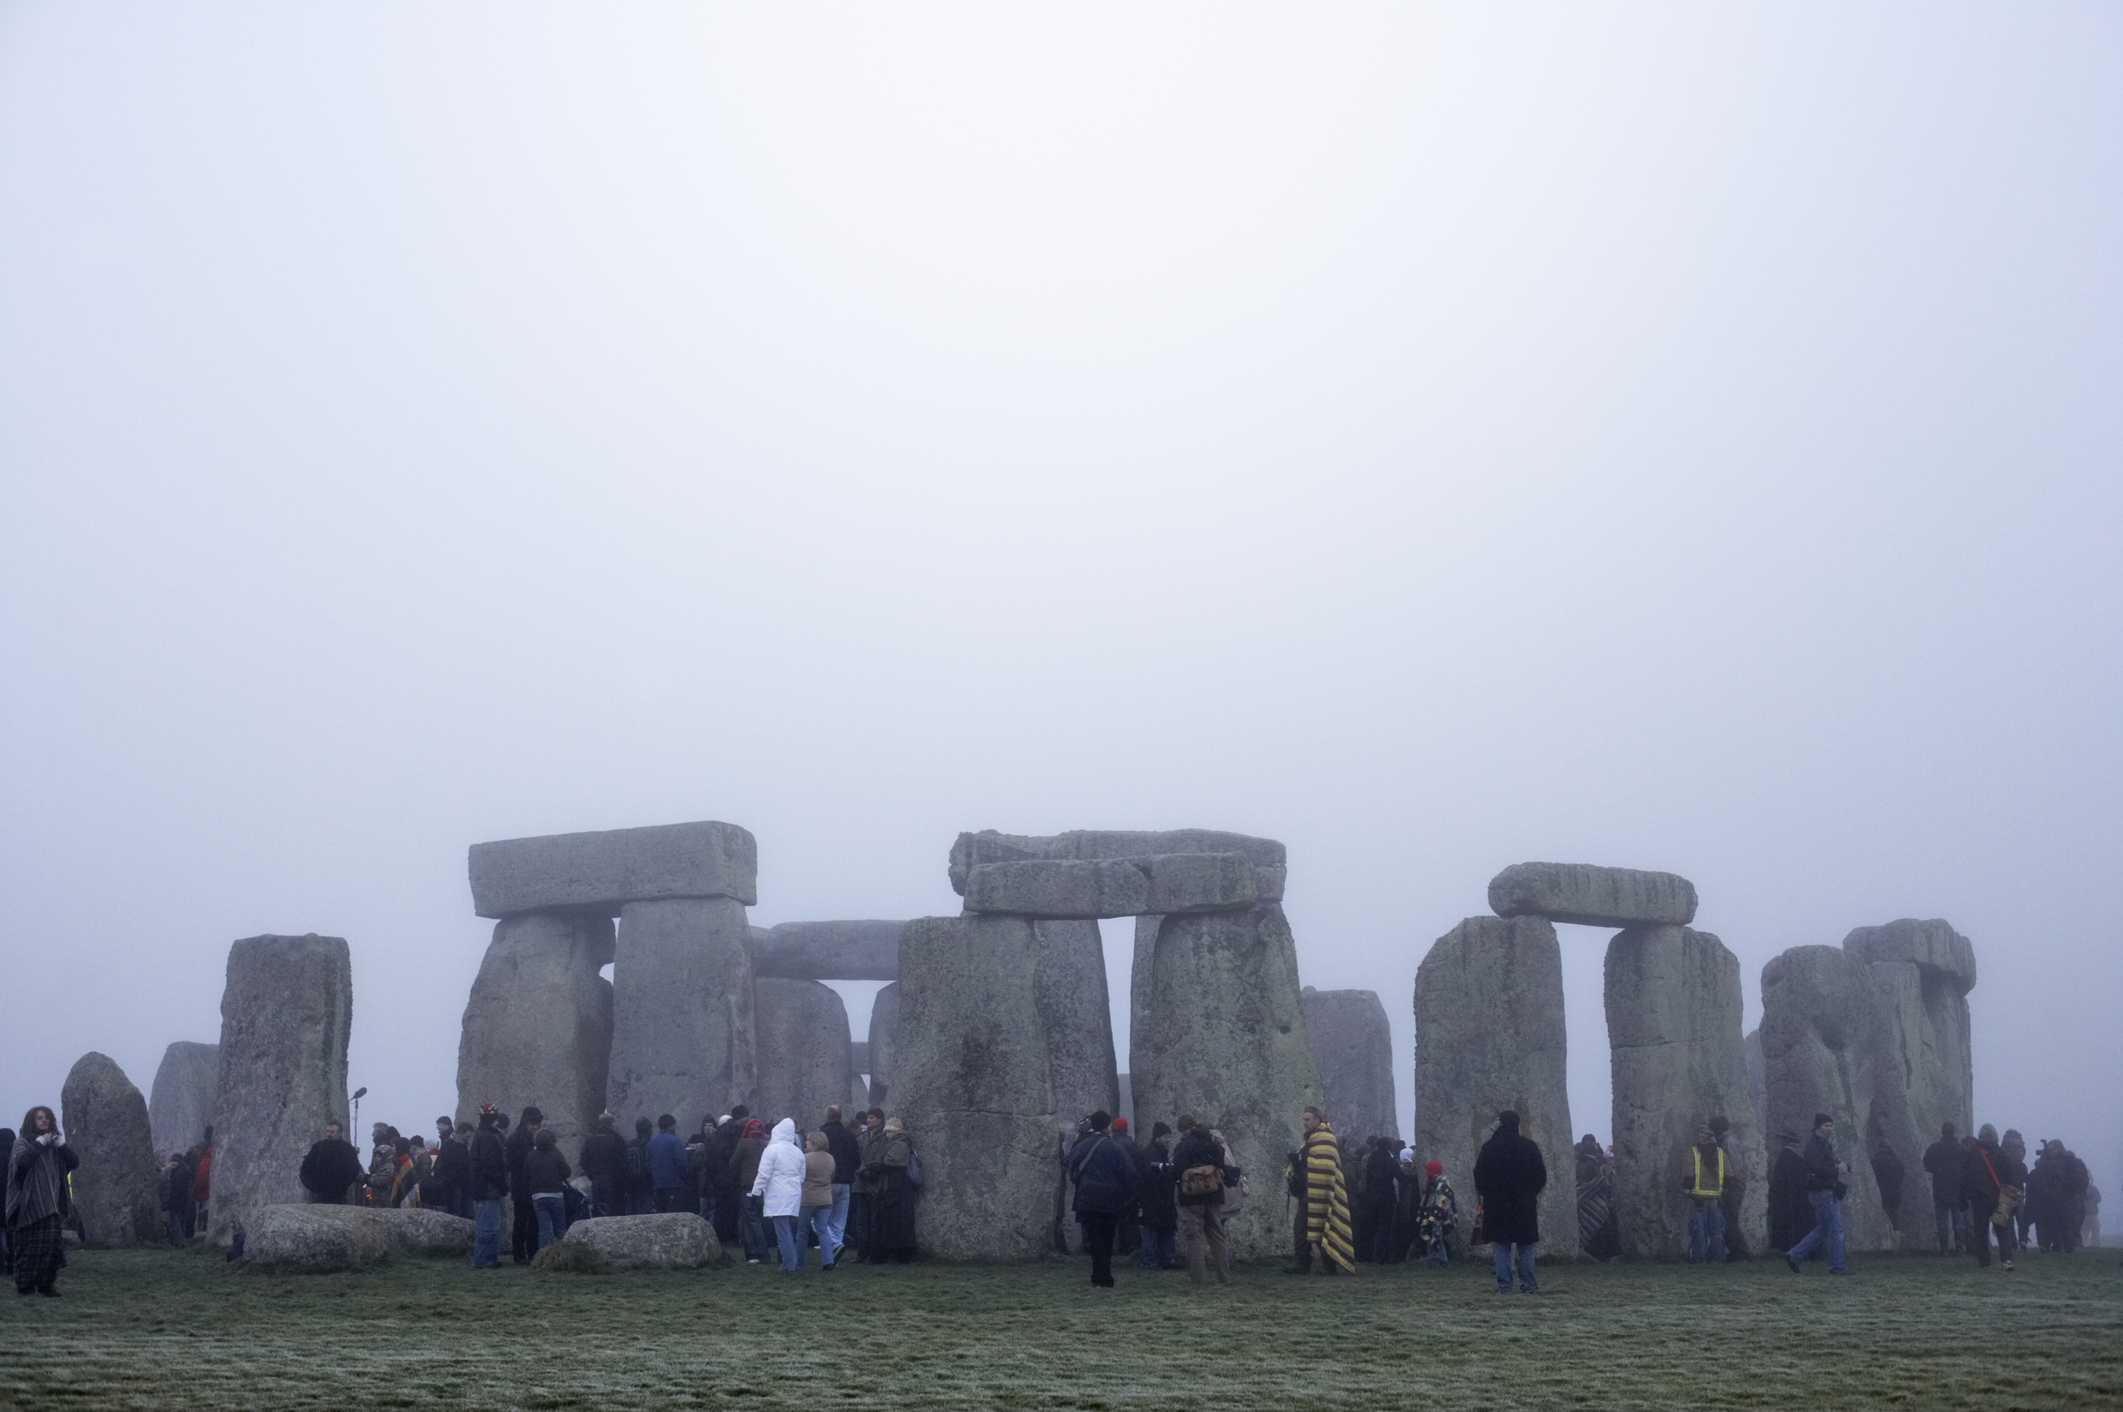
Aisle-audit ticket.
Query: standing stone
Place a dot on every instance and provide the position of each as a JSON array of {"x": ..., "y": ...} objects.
[
  {"x": 1922, "y": 972},
  {"x": 105, "y": 1122},
  {"x": 1592, "y": 896},
  {"x": 1146, "y": 930},
  {"x": 1077, "y": 1018},
  {"x": 883, "y": 1043},
  {"x": 181, "y": 1104},
  {"x": 1489, "y": 1036},
  {"x": 1224, "y": 1038},
  {"x": 1353, "y": 1045},
  {"x": 1127, "y": 1105},
  {"x": 1826, "y": 1047},
  {"x": 285, "y": 1014},
  {"x": 538, "y": 1026},
  {"x": 682, "y": 1025},
  {"x": 802, "y": 1039},
  {"x": 828, "y": 951},
  {"x": 1673, "y": 1031},
  {"x": 1758, "y": 1084}
]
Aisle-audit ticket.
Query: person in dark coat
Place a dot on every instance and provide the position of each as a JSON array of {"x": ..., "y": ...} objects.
[
  {"x": 1942, "y": 1160},
  {"x": 641, "y": 1192},
  {"x": 523, "y": 1232},
  {"x": 37, "y": 1203},
  {"x": 1790, "y": 1214},
  {"x": 7, "y": 1152},
  {"x": 330, "y": 1168},
  {"x": 1128, "y": 1235},
  {"x": 1104, "y": 1174},
  {"x": 490, "y": 1183},
  {"x": 2015, "y": 1147},
  {"x": 847, "y": 1160},
  {"x": 2054, "y": 1187},
  {"x": 1888, "y": 1172},
  {"x": 1736, "y": 1247},
  {"x": 604, "y": 1162},
  {"x": 1987, "y": 1169},
  {"x": 1508, "y": 1177},
  {"x": 729, "y": 1196},
  {"x": 1155, "y": 1186},
  {"x": 744, "y": 1171},
  {"x": 1824, "y": 1193},
  {"x": 892, "y": 1216},
  {"x": 1380, "y": 1198}
]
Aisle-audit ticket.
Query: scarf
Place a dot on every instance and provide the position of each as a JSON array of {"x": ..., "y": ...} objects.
[{"x": 35, "y": 1188}]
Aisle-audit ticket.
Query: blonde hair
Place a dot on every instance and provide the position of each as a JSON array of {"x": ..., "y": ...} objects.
[{"x": 814, "y": 1142}]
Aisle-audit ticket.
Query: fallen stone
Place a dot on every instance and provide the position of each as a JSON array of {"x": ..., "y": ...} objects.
[
  {"x": 603, "y": 871},
  {"x": 828, "y": 951},
  {"x": 180, "y": 1106},
  {"x": 105, "y": 1122},
  {"x": 286, "y": 1011},
  {"x": 1826, "y": 1048},
  {"x": 1266, "y": 856},
  {"x": 1352, "y": 1043},
  {"x": 1679, "y": 1059},
  {"x": 1224, "y": 1039},
  {"x": 677, "y": 1240},
  {"x": 291, "y": 1238},
  {"x": 883, "y": 1041},
  {"x": 1922, "y": 973},
  {"x": 1058, "y": 888},
  {"x": 801, "y": 1037},
  {"x": 537, "y": 1029},
  {"x": 1590, "y": 896},
  {"x": 1489, "y": 1036},
  {"x": 682, "y": 1022}
]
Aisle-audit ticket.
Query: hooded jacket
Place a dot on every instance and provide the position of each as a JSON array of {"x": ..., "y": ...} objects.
[{"x": 781, "y": 1173}]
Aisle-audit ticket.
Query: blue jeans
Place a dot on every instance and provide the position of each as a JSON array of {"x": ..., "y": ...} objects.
[
  {"x": 819, "y": 1219},
  {"x": 552, "y": 1209},
  {"x": 1706, "y": 1231},
  {"x": 486, "y": 1233},
  {"x": 1439, "y": 1253},
  {"x": 1827, "y": 1230},
  {"x": 785, "y": 1237},
  {"x": 1504, "y": 1265},
  {"x": 837, "y": 1227},
  {"x": 1160, "y": 1249},
  {"x": 1953, "y": 1227}
]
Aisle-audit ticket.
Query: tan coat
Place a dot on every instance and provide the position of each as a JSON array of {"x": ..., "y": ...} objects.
[{"x": 818, "y": 1179}]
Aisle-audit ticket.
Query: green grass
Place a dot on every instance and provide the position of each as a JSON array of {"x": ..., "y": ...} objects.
[{"x": 178, "y": 1329}]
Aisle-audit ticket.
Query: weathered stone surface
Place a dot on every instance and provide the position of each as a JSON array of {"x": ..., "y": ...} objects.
[
  {"x": 1922, "y": 972},
  {"x": 1266, "y": 856},
  {"x": 1352, "y": 1042},
  {"x": 802, "y": 1043},
  {"x": 292, "y": 1238},
  {"x": 1592, "y": 896},
  {"x": 538, "y": 1026},
  {"x": 883, "y": 1043},
  {"x": 859, "y": 1055},
  {"x": 1489, "y": 1036},
  {"x": 828, "y": 951},
  {"x": 1758, "y": 1085},
  {"x": 1058, "y": 888},
  {"x": 1200, "y": 882},
  {"x": 603, "y": 871},
  {"x": 180, "y": 1107},
  {"x": 1673, "y": 1031},
  {"x": 682, "y": 1023},
  {"x": 1146, "y": 930},
  {"x": 1076, "y": 1014},
  {"x": 1127, "y": 1104},
  {"x": 1224, "y": 1038},
  {"x": 1826, "y": 1047},
  {"x": 105, "y": 1122},
  {"x": 676, "y": 1240},
  {"x": 286, "y": 1010}
]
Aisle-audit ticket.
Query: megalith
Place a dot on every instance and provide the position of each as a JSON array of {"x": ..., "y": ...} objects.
[
  {"x": 1223, "y": 1037},
  {"x": 1922, "y": 972},
  {"x": 1591, "y": 896},
  {"x": 1679, "y": 1060},
  {"x": 1758, "y": 1084},
  {"x": 828, "y": 951},
  {"x": 181, "y": 1104},
  {"x": 603, "y": 871},
  {"x": 1175, "y": 862},
  {"x": 1076, "y": 1016},
  {"x": 1489, "y": 1036},
  {"x": 105, "y": 1122},
  {"x": 537, "y": 1029},
  {"x": 1353, "y": 1045},
  {"x": 286, "y": 1010},
  {"x": 682, "y": 1022},
  {"x": 883, "y": 1043},
  {"x": 801, "y": 1032},
  {"x": 1826, "y": 1047}
]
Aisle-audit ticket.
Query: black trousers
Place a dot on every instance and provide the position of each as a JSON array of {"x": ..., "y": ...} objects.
[
  {"x": 1099, "y": 1227},
  {"x": 523, "y": 1233}
]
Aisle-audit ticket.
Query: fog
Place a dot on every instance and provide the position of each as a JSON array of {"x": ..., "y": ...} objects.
[{"x": 1679, "y": 437}]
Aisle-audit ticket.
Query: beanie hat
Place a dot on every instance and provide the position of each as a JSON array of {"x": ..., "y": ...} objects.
[
  {"x": 1820, "y": 1118},
  {"x": 1120, "y": 1125},
  {"x": 1159, "y": 1130},
  {"x": 1434, "y": 1167},
  {"x": 1101, "y": 1119}
]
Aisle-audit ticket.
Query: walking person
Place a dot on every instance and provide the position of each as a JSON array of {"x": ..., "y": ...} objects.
[
  {"x": 1949, "y": 1208},
  {"x": 1202, "y": 1179},
  {"x": 847, "y": 1161},
  {"x": 1509, "y": 1175},
  {"x": 1156, "y": 1183},
  {"x": 1824, "y": 1192},
  {"x": 38, "y": 1167},
  {"x": 545, "y": 1176},
  {"x": 1705, "y": 1184},
  {"x": 1993, "y": 1184},
  {"x": 815, "y": 1211},
  {"x": 329, "y": 1169},
  {"x": 604, "y": 1162},
  {"x": 1327, "y": 1233},
  {"x": 490, "y": 1183},
  {"x": 1104, "y": 1174}
]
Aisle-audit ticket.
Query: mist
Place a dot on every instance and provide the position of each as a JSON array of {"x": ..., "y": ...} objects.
[{"x": 1674, "y": 437}]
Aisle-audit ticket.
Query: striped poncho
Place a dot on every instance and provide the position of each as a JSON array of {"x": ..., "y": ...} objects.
[{"x": 1327, "y": 1200}]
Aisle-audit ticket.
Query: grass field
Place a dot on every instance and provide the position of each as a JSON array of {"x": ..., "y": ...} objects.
[{"x": 178, "y": 1329}]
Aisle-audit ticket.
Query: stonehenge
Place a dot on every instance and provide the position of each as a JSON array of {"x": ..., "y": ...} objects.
[
  {"x": 1489, "y": 1036},
  {"x": 1673, "y": 1035},
  {"x": 1591, "y": 896},
  {"x": 180, "y": 1106},
  {"x": 1922, "y": 973},
  {"x": 538, "y": 1026},
  {"x": 801, "y": 1030},
  {"x": 823, "y": 951},
  {"x": 573, "y": 872},
  {"x": 682, "y": 1009},
  {"x": 105, "y": 1122},
  {"x": 1352, "y": 1044},
  {"x": 1265, "y": 856},
  {"x": 882, "y": 1046},
  {"x": 286, "y": 1011}
]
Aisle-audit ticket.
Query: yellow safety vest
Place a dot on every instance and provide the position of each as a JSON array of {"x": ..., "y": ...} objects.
[{"x": 1715, "y": 1189}]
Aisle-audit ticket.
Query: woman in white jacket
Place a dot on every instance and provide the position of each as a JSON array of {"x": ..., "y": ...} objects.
[{"x": 780, "y": 1182}]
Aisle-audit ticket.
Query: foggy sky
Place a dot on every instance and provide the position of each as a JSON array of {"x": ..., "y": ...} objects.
[{"x": 1676, "y": 437}]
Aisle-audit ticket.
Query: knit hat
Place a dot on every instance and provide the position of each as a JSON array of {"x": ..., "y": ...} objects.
[
  {"x": 1158, "y": 1130},
  {"x": 1120, "y": 1125},
  {"x": 1100, "y": 1120},
  {"x": 1820, "y": 1118},
  {"x": 1434, "y": 1167}
]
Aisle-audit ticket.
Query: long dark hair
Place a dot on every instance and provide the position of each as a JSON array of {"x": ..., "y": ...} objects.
[{"x": 29, "y": 1120}]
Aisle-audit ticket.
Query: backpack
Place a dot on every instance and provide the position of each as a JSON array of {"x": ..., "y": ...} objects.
[
  {"x": 1205, "y": 1180},
  {"x": 914, "y": 1172}
]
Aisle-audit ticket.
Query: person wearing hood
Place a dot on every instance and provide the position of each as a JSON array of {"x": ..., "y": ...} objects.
[
  {"x": 604, "y": 1162},
  {"x": 1327, "y": 1230},
  {"x": 523, "y": 1221},
  {"x": 816, "y": 1215},
  {"x": 1156, "y": 1180},
  {"x": 1943, "y": 1161},
  {"x": 2015, "y": 1147},
  {"x": 1437, "y": 1213},
  {"x": 744, "y": 1171},
  {"x": 777, "y": 1184},
  {"x": 1824, "y": 1193},
  {"x": 1509, "y": 1175},
  {"x": 1988, "y": 1173}
]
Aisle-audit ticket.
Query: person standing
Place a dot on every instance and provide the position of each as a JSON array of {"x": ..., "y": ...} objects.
[
  {"x": 1155, "y": 1182},
  {"x": 451, "y": 1175},
  {"x": 330, "y": 1168},
  {"x": 1202, "y": 1176},
  {"x": 862, "y": 1194},
  {"x": 744, "y": 1170},
  {"x": 1790, "y": 1216},
  {"x": 1327, "y": 1232},
  {"x": 1104, "y": 1174},
  {"x": 545, "y": 1176},
  {"x": 1437, "y": 1214},
  {"x": 604, "y": 1162},
  {"x": 2014, "y": 1146},
  {"x": 1128, "y": 1235},
  {"x": 38, "y": 1167},
  {"x": 667, "y": 1165},
  {"x": 1705, "y": 1184},
  {"x": 1993, "y": 1184},
  {"x": 1509, "y": 1174},
  {"x": 894, "y": 1214},
  {"x": 1949, "y": 1210},
  {"x": 729, "y": 1194},
  {"x": 490, "y": 1183},
  {"x": 1381, "y": 1199},
  {"x": 1824, "y": 1192},
  {"x": 815, "y": 1210},
  {"x": 847, "y": 1161},
  {"x": 1735, "y": 1189}
]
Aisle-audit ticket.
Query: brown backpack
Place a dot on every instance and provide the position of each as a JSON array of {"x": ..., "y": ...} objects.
[{"x": 1205, "y": 1180}]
